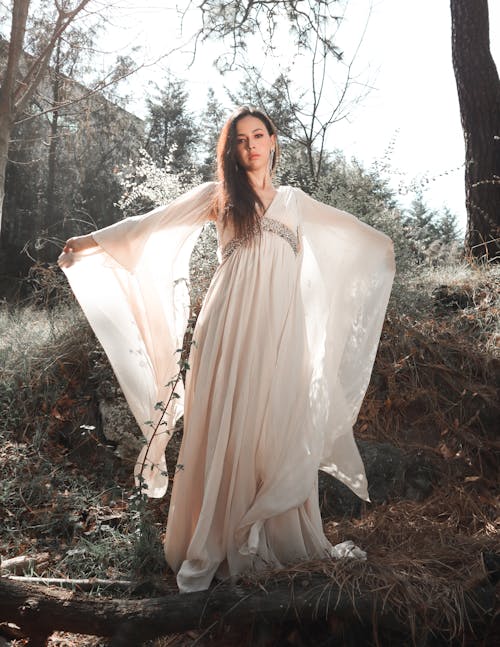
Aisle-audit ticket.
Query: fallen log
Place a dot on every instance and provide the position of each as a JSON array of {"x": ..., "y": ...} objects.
[{"x": 40, "y": 611}]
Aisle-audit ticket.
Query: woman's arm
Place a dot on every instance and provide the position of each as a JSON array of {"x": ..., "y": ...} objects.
[{"x": 125, "y": 240}]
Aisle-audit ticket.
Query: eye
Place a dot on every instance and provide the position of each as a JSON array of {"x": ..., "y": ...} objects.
[
  {"x": 240, "y": 141},
  {"x": 259, "y": 135}
]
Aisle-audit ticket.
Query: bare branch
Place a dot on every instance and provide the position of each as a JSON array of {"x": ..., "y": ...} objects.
[
  {"x": 109, "y": 80},
  {"x": 238, "y": 19},
  {"x": 41, "y": 63}
]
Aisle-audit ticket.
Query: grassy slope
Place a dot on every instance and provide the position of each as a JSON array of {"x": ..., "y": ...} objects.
[{"x": 435, "y": 387}]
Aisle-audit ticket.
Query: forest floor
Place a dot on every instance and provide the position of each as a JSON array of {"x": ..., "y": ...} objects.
[{"x": 68, "y": 501}]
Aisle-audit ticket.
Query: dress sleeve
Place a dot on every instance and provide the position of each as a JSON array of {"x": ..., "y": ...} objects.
[
  {"x": 126, "y": 239},
  {"x": 347, "y": 273},
  {"x": 133, "y": 289}
]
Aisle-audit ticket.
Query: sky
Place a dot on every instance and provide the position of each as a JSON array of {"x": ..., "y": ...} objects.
[
  {"x": 404, "y": 57},
  {"x": 409, "y": 114}
]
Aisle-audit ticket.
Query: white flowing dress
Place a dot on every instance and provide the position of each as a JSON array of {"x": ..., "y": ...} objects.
[{"x": 283, "y": 351}]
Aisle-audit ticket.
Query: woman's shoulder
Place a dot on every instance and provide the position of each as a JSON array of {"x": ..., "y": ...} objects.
[
  {"x": 205, "y": 187},
  {"x": 203, "y": 191},
  {"x": 291, "y": 190},
  {"x": 293, "y": 195}
]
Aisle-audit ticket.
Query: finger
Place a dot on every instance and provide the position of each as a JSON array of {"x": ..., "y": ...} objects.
[
  {"x": 69, "y": 245},
  {"x": 65, "y": 260}
]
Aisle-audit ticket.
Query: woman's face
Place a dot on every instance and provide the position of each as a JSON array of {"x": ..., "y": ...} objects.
[{"x": 253, "y": 143}]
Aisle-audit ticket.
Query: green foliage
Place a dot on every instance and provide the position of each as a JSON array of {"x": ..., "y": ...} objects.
[
  {"x": 472, "y": 290},
  {"x": 203, "y": 264},
  {"x": 172, "y": 133},
  {"x": 145, "y": 184},
  {"x": 302, "y": 117},
  {"x": 448, "y": 228},
  {"x": 275, "y": 100},
  {"x": 67, "y": 138},
  {"x": 433, "y": 237},
  {"x": 90, "y": 147},
  {"x": 212, "y": 120},
  {"x": 147, "y": 551}
]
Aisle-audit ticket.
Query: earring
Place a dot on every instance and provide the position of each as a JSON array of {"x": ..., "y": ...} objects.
[{"x": 271, "y": 160}]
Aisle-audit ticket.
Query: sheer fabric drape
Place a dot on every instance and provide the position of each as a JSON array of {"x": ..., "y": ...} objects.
[{"x": 285, "y": 345}]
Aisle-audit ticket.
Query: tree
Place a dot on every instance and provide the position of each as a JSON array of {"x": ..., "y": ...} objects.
[
  {"x": 431, "y": 235},
  {"x": 66, "y": 61},
  {"x": 421, "y": 228},
  {"x": 478, "y": 88},
  {"x": 212, "y": 120},
  {"x": 447, "y": 227},
  {"x": 303, "y": 116},
  {"x": 233, "y": 21},
  {"x": 172, "y": 134},
  {"x": 18, "y": 84},
  {"x": 276, "y": 101},
  {"x": 90, "y": 148},
  {"x": 51, "y": 41},
  {"x": 305, "y": 598}
]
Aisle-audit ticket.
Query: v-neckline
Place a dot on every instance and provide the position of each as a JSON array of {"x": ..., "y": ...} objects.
[{"x": 273, "y": 200}]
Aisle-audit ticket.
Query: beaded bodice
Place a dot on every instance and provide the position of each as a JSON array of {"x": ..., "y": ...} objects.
[{"x": 265, "y": 224}]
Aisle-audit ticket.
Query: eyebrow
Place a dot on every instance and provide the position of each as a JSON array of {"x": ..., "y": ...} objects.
[{"x": 254, "y": 131}]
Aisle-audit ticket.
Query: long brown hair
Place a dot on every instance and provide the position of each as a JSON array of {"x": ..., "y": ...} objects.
[{"x": 236, "y": 200}]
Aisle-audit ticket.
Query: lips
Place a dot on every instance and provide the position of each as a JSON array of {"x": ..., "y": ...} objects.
[{"x": 254, "y": 156}]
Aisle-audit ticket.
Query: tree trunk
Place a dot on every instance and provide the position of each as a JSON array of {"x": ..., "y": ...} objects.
[
  {"x": 5, "y": 128},
  {"x": 8, "y": 87},
  {"x": 479, "y": 99},
  {"x": 305, "y": 597},
  {"x": 53, "y": 144},
  {"x": 16, "y": 91}
]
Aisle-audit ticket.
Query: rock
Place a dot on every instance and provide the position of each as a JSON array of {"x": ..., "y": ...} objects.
[
  {"x": 392, "y": 473},
  {"x": 120, "y": 428}
]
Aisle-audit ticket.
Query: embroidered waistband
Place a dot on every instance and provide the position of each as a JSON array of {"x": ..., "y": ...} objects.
[{"x": 266, "y": 224}]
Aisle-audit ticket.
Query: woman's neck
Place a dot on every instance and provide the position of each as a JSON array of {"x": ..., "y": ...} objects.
[{"x": 260, "y": 181}]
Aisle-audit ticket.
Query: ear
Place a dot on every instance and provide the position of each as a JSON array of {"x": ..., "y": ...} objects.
[{"x": 273, "y": 141}]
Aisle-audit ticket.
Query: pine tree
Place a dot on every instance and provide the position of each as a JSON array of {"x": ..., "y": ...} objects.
[
  {"x": 211, "y": 122},
  {"x": 448, "y": 228},
  {"x": 421, "y": 226},
  {"x": 172, "y": 134}
]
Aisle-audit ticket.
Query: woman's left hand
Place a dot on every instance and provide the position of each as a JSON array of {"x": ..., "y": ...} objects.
[{"x": 72, "y": 246}]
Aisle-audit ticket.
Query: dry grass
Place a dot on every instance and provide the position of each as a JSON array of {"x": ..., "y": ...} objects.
[
  {"x": 434, "y": 388},
  {"x": 437, "y": 377}
]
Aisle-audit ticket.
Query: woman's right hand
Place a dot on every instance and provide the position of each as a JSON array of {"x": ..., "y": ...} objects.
[{"x": 75, "y": 245}]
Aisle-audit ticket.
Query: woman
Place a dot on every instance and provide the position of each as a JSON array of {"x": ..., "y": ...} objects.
[{"x": 282, "y": 354}]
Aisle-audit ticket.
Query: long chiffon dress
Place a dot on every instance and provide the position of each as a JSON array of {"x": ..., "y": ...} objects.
[{"x": 283, "y": 350}]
